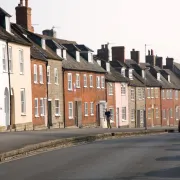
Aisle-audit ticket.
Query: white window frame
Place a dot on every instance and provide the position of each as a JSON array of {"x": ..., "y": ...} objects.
[
  {"x": 157, "y": 113},
  {"x": 149, "y": 113},
  {"x": 132, "y": 94},
  {"x": 85, "y": 80},
  {"x": 36, "y": 107},
  {"x": 10, "y": 59},
  {"x": 57, "y": 108},
  {"x": 171, "y": 112},
  {"x": 167, "y": 94},
  {"x": 123, "y": 89},
  {"x": 177, "y": 112},
  {"x": 176, "y": 94},
  {"x": 40, "y": 74},
  {"x": 42, "y": 106},
  {"x": 85, "y": 109},
  {"x": 110, "y": 89},
  {"x": 23, "y": 102},
  {"x": 123, "y": 112},
  {"x": 78, "y": 81},
  {"x": 92, "y": 108},
  {"x": 91, "y": 81},
  {"x": 56, "y": 78},
  {"x": 70, "y": 110},
  {"x": 141, "y": 116},
  {"x": 4, "y": 58},
  {"x": 164, "y": 114},
  {"x": 163, "y": 93},
  {"x": 152, "y": 93},
  {"x": 70, "y": 84},
  {"x": 21, "y": 61},
  {"x": 132, "y": 114},
  {"x": 49, "y": 74},
  {"x": 139, "y": 94},
  {"x": 98, "y": 83},
  {"x": 156, "y": 93},
  {"x": 35, "y": 74},
  {"x": 148, "y": 93},
  {"x": 102, "y": 82}
]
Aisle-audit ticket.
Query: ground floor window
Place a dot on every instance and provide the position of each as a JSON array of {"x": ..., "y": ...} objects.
[
  {"x": 124, "y": 113},
  {"x": 149, "y": 113},
  {"x": 141, "y": 115},
  {"x": 70, "y": 110},
  {"x": 132, "y": 114}
]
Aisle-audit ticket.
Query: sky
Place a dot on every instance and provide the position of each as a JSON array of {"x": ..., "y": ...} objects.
[{"x": 129, "y": 23}]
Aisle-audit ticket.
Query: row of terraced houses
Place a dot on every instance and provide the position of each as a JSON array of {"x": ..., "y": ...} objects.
[{"x": 55, "y": 83}]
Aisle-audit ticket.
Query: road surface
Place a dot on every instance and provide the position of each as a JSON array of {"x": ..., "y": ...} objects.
[{"x": 154, "y": 157}]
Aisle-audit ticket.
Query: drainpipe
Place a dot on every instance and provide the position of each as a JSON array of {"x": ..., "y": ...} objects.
[
  {"x": 64, "y": 98},
  {"x": 9, "y": 84}
]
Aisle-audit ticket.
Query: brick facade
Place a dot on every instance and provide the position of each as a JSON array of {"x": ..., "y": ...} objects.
[
  {"x": 78, "y": 97},
  {"x": 39, "y": 90}
]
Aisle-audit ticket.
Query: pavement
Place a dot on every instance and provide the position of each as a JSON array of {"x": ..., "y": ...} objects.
[
  {"x": 152, "y": 157},
  {"x": 15, "y": 140}
]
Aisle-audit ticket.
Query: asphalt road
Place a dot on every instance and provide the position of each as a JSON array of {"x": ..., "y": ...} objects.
[
  {"x": 154, "y": 157},
  {"x": 15, "y": 140}
]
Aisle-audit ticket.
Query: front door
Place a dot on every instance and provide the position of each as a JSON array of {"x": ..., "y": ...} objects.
[
  {"x": 117, "y": 117},
  {"x": 78, "y": 113},
  {"x": 49, "y": 113},
  {"x": 138, "y": 119},
  {"x": 98, "y": 115},
  {"x": 6, "y": 107}
]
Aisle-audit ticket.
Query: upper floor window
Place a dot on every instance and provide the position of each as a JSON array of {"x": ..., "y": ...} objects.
[
  {"x": 10, "y": 59},
  {"x": 41, "y": 74},
  {"x": 123, "y": 89},
  {"x": 102, "y": 82},
  {"x": 56, "y": 76},
  {"x": 143, "y": 93},
  {"x": 152, "y": 92},
  {"x": 4, "y": 58},
  {"x": 176, "y": 94},
  {"x": 91, "y": 80},
  {"x": 77, "y": 80},
  {"x": 110, "y": 88},
  {"x": 156, "y": 92},
  {"x": 98, "y": 82},
  {"x": 123, "y": 72},
  {"x": 86, "y": 109},
  {"x": 170, "y": 94},
  {"x": 132, "y": 94},
  {"x": 148, "y": 92},
  {"x": 70, "y": 81},
  {"x": 21, "y": 61},
  {"x": 48, "y": 74},
  {"x": 23, "y": 101},
  {"x": 163, "y": 94},
  {"x": 139, "y": 94},
  {"x": 167, "y": 94},
  {"x": 35, "y": 74},
  {"x": 85, "y": 80}
]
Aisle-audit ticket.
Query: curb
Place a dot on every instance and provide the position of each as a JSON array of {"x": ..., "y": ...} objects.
[{"x": 72, "y": 141}]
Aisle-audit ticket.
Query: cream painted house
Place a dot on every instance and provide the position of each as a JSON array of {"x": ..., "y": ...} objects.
[{"x": 4, "y": 88}]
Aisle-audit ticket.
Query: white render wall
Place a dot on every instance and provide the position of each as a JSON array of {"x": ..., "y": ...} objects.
[
  {"x": 19, "y": 81},
  {"x": 4, "y": 83}
]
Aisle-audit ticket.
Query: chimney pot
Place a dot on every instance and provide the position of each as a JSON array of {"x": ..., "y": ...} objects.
[
  {"x": 21, "y": 3},
  {"x": 26, "y": 3},
  {"x": 152, "y": 53}
]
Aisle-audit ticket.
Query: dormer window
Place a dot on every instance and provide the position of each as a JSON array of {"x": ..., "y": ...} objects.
[
  {"x": 43, "y": 43},
  {"x": 169, "y": 78},
  {"x": 158, "y": 77},
  {"x": 143, "y": 74},
  {"x": 8, "y": 27},
  {"x": 130, "y": 74},
  {"x": 123, "y": 72},
  {"x": 90, "y": 57},
  {"x": 59, "y": 52},
  {"x": 64, "y": 54},
  {"x": 107, "y": 67},
  {"x": 99, "y": 62},
  {"x": 77, "y": 56}
]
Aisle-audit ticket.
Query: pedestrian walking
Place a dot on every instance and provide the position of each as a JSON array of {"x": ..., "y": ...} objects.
[{"x": 108, "y": 118}]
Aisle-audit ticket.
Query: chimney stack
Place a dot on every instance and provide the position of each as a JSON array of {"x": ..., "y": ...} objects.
[
  {"x": 103, "y": 52},
  {"x": 152, "y": 52},
  {"x": 150, "y": 58},
  {"x": 118, "y": 53},
  {"x": 169, "y": 63},
  {"x": 135, "y": 55},
  {"x": 159, "y": 62},
  {"x": 23, "y": 16}
]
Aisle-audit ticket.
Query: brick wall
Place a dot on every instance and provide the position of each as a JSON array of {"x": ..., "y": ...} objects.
[
  {"x": 38, "y": 91},
  {"x": 82, "y": 95}
]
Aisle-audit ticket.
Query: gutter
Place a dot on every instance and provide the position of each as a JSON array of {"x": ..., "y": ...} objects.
[{"x": 10, "y": 122}]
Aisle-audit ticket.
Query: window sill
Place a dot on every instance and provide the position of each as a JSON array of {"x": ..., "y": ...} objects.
[
  {"x": 42, "y": 115},
  {"x": 49, "y": 83},
  {"x": 111, "y": 94},
  {"x": 21, "y": 73},
  {"x": 92, "y": 114},
  {"x": 36, "y": 116},
  {"x": 23, "y": 114},
  {"x": 36, "y": 83},
  {"x": 78, "y": 87},
  {"x": 86, "y": 115},
  {"x": 133, "y": 120},
  {"x": 124, "y": 120},
  {"x": 71, "y": 118},
  {"x": 56, "y": 84},
  {"x": 70, "y": 90},
  {"x": 98, "y": 88},
  {"x": 85, "y": 86},
  {"x": 57, "y": 115},
  {"x": 123, "y": 94},
  {"x": 91, "y": 87},
  {"x": 41, "y": 83}
]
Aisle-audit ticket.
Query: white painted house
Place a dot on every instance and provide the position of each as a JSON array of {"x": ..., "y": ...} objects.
[{"x": 4, "y": 87}]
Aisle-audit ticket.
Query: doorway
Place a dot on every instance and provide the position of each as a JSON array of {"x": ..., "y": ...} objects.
[
  {"x": 6, "y": 107},
  {"x": 117, "y": 118},
  {"x": 49, "y": 113},
  {"x": 78, "y": 113}
]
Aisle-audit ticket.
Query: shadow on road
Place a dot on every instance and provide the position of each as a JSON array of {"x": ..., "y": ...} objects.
[
  {"x": 173, "y": 149},
  {"x": 165, "y": 173},
  {"x": 169, "y": 158}
]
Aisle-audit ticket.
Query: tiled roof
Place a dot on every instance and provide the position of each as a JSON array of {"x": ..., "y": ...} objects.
[
  {"x": 11, "y": 37},
  {"x": 3, "y": 12},
  {"x": 82, "y": 47},
  {"x": 36, "y": 51}
]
